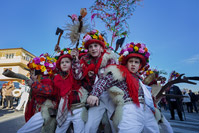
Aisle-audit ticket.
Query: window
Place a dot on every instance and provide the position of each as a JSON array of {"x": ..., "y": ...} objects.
[
  {"x": 27, "y": 57},
  {"x": 10, "y": 56},
  {"x": 7, "y": 56}
]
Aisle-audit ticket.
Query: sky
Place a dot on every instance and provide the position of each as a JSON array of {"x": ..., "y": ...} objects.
[{"x": 169, "y": 28}]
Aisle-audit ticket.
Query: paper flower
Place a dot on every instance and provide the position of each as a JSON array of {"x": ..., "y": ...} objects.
[
  {"x": 126, "y": 53},
  {"x": 74, "y": 17},
  {"x": 83, "y": 12}
]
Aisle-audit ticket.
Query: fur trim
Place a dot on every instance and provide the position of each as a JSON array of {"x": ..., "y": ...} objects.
[
  {"x": 84, "y": 114},
  {"x": 117, "y": 117},
  {"x": 94, "y": 41},
  {"x": 49, "y": 125},
  {"x": 83, "y": 94},
  {"x": 105, "y": 119},
  {"x": 117, "y": 74},
  {"x": 107, "y": 56},
  {"x": 83, "y": 97},
  {"x": 142, "y": 58},
  {"x": 158, "y": 115},
  {"x": 116, "y": 95},
  {"x": 60, "y": 58}
]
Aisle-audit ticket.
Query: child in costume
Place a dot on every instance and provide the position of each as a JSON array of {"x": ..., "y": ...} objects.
[
  {"x": 42, "y": 96},
  {"x": 153, "y": 79},
  {"x": 88, "y": 69},
  {"x": 134, "y": 110},
  {"x": 72, "y": 97}
]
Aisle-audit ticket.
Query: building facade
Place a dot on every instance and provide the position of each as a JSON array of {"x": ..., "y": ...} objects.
[{"x": 15, "y": 59}]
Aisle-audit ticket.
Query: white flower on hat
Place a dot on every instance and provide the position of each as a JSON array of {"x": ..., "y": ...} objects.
[
  {"x": 86, "y": 38},
  {"x": 45, "y": 72},
  {"x": 42, "y": 63},
  {"x": 50, "y": 65},
  {"x": 126, "y": 53},
  {"x": 58, "y": 54},
  {"x": 65, "y": 52}
]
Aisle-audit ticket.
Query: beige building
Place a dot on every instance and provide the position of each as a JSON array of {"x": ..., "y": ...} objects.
[{"x": 14, "y": 59}]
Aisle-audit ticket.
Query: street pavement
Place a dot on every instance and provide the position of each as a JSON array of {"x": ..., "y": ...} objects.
[
  {"x": 11, "y": 121},
  {"x": 189, "y": 125}
]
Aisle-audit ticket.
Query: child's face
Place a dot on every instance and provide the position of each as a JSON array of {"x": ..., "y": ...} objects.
[
  {"x": 65, "y": 64},
  {"x": 133, "y": 64},
  {"x": 95, "y": 49}
]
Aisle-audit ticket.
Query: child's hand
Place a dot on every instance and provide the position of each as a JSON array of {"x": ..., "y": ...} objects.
[
  {"x": 57, "y": 48},
  {"x": 75, "y": 53},
  {"x": 93, "y": 100}
]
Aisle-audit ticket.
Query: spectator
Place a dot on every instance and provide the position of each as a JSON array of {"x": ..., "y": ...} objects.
[
  {"x": 175, "y": 102},
  {"x": 8, "y": 94},
  {"x": 187, "y": 100},
  {"x": 193, "y": 101},
  {"x": 164, "y": 103},
  {"x": 3, "y": 97},
  {"x": 197, "y": 97}
]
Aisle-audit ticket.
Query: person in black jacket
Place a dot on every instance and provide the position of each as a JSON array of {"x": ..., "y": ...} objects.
[
  {"x": 193, "y": 101},
  {"x": 175, "y": 102}
]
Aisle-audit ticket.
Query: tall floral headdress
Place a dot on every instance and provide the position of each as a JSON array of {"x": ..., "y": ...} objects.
[
  {"x": 82, "y": 51},
  {"x": 66, "y": 53},
  {"x": 93, "y": 37},
  {"x": 44, "y": 63},
  {"x": 63, "y": 52},
  {"x": 134, "y": 50}
]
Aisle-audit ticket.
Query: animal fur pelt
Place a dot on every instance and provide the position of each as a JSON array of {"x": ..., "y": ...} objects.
[
  {"x": 49, "y": 125},
  {"x": 83, "y": 96},
  {"x": 105, "y": 123},
  {"x": 84, "y": 114},
  {"x": 158, "y": 115},
  {"x": 117, "y": 74},
  {"x": 116, "y": 95},
  {"x": 107, "y": 56}
]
